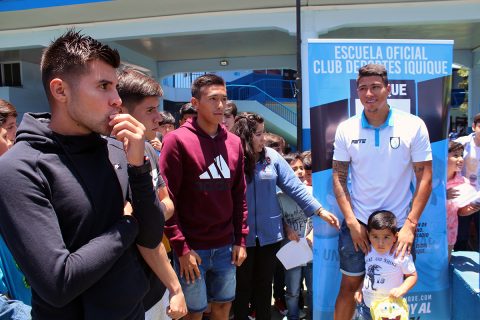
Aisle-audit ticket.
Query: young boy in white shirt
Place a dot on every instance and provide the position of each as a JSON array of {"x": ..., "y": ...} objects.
[{"x": 385, "y": 274}]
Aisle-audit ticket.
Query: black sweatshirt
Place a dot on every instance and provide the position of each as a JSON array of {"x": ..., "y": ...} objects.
[{"x": 61, "y": 214}]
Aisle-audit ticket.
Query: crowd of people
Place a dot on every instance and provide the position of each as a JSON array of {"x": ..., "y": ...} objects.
[{"x": 109, "y": 212}]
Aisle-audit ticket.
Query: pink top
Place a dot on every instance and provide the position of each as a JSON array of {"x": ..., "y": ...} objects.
[{"x": 452, "y": 209}]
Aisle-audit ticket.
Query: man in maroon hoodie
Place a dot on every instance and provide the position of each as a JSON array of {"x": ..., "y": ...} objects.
[{"x": 202, "y": 164}]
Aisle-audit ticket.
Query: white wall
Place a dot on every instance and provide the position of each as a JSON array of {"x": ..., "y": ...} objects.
[{"x": 30, "y": 97}]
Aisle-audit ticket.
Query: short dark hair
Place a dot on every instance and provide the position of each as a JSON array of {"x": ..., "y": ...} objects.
[
  {"x": 206, "y": 80},
  {"x": 476, "y": 119},
  {"x": 70, "y": 54},
  {"x": 6, "y": 110},
  {"x": 274, "y": 141},
  {"x": 370, "y": 70},
  {"x": 187, "y": 108},
  {"x": 382, "y": 219},
  {"x": 167, "y": 118},
  {"x": 307, "y": 159},
  {"x": 292, "y": 156},
  {"x": 230, "y": 108},
  {"x": 455, "y": 146},
  {"x": 134, "y": 86}
]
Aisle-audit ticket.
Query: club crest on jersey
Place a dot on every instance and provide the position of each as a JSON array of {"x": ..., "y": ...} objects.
[{"x": 394, "y": 142}]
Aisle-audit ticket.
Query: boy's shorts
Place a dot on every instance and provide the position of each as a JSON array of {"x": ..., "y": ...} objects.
[
  {"x": 352, "y": 263},
  {"x": 217, "y": 282}
]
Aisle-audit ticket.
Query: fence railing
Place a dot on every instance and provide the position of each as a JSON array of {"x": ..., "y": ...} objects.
[
  {"x": 277, "y": 87},
  {"x": 251, "y": 92}
]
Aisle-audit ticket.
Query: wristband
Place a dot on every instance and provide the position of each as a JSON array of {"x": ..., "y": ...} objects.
[{"x": 412, "y": 222}]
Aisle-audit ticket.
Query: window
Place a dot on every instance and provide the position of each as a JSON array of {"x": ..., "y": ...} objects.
[{"x": 10, "y": 74}]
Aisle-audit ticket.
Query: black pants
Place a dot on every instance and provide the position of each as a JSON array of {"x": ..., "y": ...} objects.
[
  {"x": 254, "y": 278},
  {"x": 464, "y": 234}
]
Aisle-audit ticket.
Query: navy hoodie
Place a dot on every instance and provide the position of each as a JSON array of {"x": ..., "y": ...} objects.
[
  {"x": 207, "y": 185},
  {"x": 61, "y": 213}
]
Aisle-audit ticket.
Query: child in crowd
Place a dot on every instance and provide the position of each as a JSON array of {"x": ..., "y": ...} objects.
[
  {"x": 296, "y": 226},
  {"x": 15, "y": 292},
  {"x": 229, "y": 114},
  {"x": 385, "y": 275},
  {"x": 275, "y": 142},
  {"x": 307, "y": 164},
  {"x": 454, "y": 179}
]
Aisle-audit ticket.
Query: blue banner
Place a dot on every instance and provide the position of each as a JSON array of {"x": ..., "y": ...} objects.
[{"x": 419, "y": 72}]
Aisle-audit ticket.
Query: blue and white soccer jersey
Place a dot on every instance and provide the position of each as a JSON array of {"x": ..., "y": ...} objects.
[{"x": 381, "y": 161}]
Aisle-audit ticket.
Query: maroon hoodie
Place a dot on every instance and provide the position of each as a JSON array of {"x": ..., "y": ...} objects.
[{"x": 207, "y": 185}]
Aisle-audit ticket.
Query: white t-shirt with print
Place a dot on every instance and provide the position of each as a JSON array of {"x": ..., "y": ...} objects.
[{"x": 384, "y": 272}]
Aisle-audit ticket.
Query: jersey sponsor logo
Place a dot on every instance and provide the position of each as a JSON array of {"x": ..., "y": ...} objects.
[
  {"x": 359, "y": 141},
  {"x": 217, "y": 170},
  {"x": 394, "y": 142}
]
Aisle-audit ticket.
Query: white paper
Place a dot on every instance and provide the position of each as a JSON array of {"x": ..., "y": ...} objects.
[
  {"x": 466, "y": 195},
  {"x": 295, "y": 254}
]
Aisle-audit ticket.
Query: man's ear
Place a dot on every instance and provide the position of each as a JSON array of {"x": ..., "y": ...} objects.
[
  {"x": 389, "y": 89},
  {"x": 194, "y": 102},
  {"x": 59, "y": 89}
]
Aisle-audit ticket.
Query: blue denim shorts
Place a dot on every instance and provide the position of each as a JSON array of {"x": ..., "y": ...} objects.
[
  {"x": 217, "y": 282},
  {"x": 352, "y": 263}
]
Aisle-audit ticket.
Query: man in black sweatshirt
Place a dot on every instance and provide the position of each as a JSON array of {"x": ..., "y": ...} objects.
[{"x": 74, "y": 204}]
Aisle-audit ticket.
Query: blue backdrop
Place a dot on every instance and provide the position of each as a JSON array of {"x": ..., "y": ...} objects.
[{"x": 420, "y": 75}]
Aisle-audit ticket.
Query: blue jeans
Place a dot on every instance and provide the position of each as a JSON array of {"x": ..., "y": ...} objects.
[
  {"x": 217, "y": 282},
  {"x": 14, "y": 309},
  {"x": 293, "y": 280}
]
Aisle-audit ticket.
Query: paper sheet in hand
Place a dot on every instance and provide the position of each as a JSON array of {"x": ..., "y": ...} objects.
[
  {"x": 294, "y": 254},
  {"x": 466, "y": 195}
]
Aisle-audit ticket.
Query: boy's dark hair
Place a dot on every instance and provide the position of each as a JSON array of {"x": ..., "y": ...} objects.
[
  {"x": 382, "y": 219},
  {"x": 167, "y": 118},
  {"x": 230, "y": 109},
  {"x": 206, "y": 80},
  {"x": 476, "y": 119},
  {"x": 455, "y": 146},
  {"x": 370, "y": 70},
  {"x": 292, "y": 156},
  {"x": 134, "y": 86},
  {"x": 307, "y": 159},
  {"x": 275, "y": 141},
  {"x": 6, "y": 110},
  {"x": 187, "y": 108},
  {"x": 70, "y": 54}
]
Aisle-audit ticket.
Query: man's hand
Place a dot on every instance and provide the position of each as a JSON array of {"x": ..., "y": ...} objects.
[
  {"x": 239, "y": 254},
  {"x": 189, "y": 263},
  {"x": 177, "y": 306},
  {"x": 131, "y": 133},
  {"x": 359, "y": 236},
  {"x": 405, "y": 239}
]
